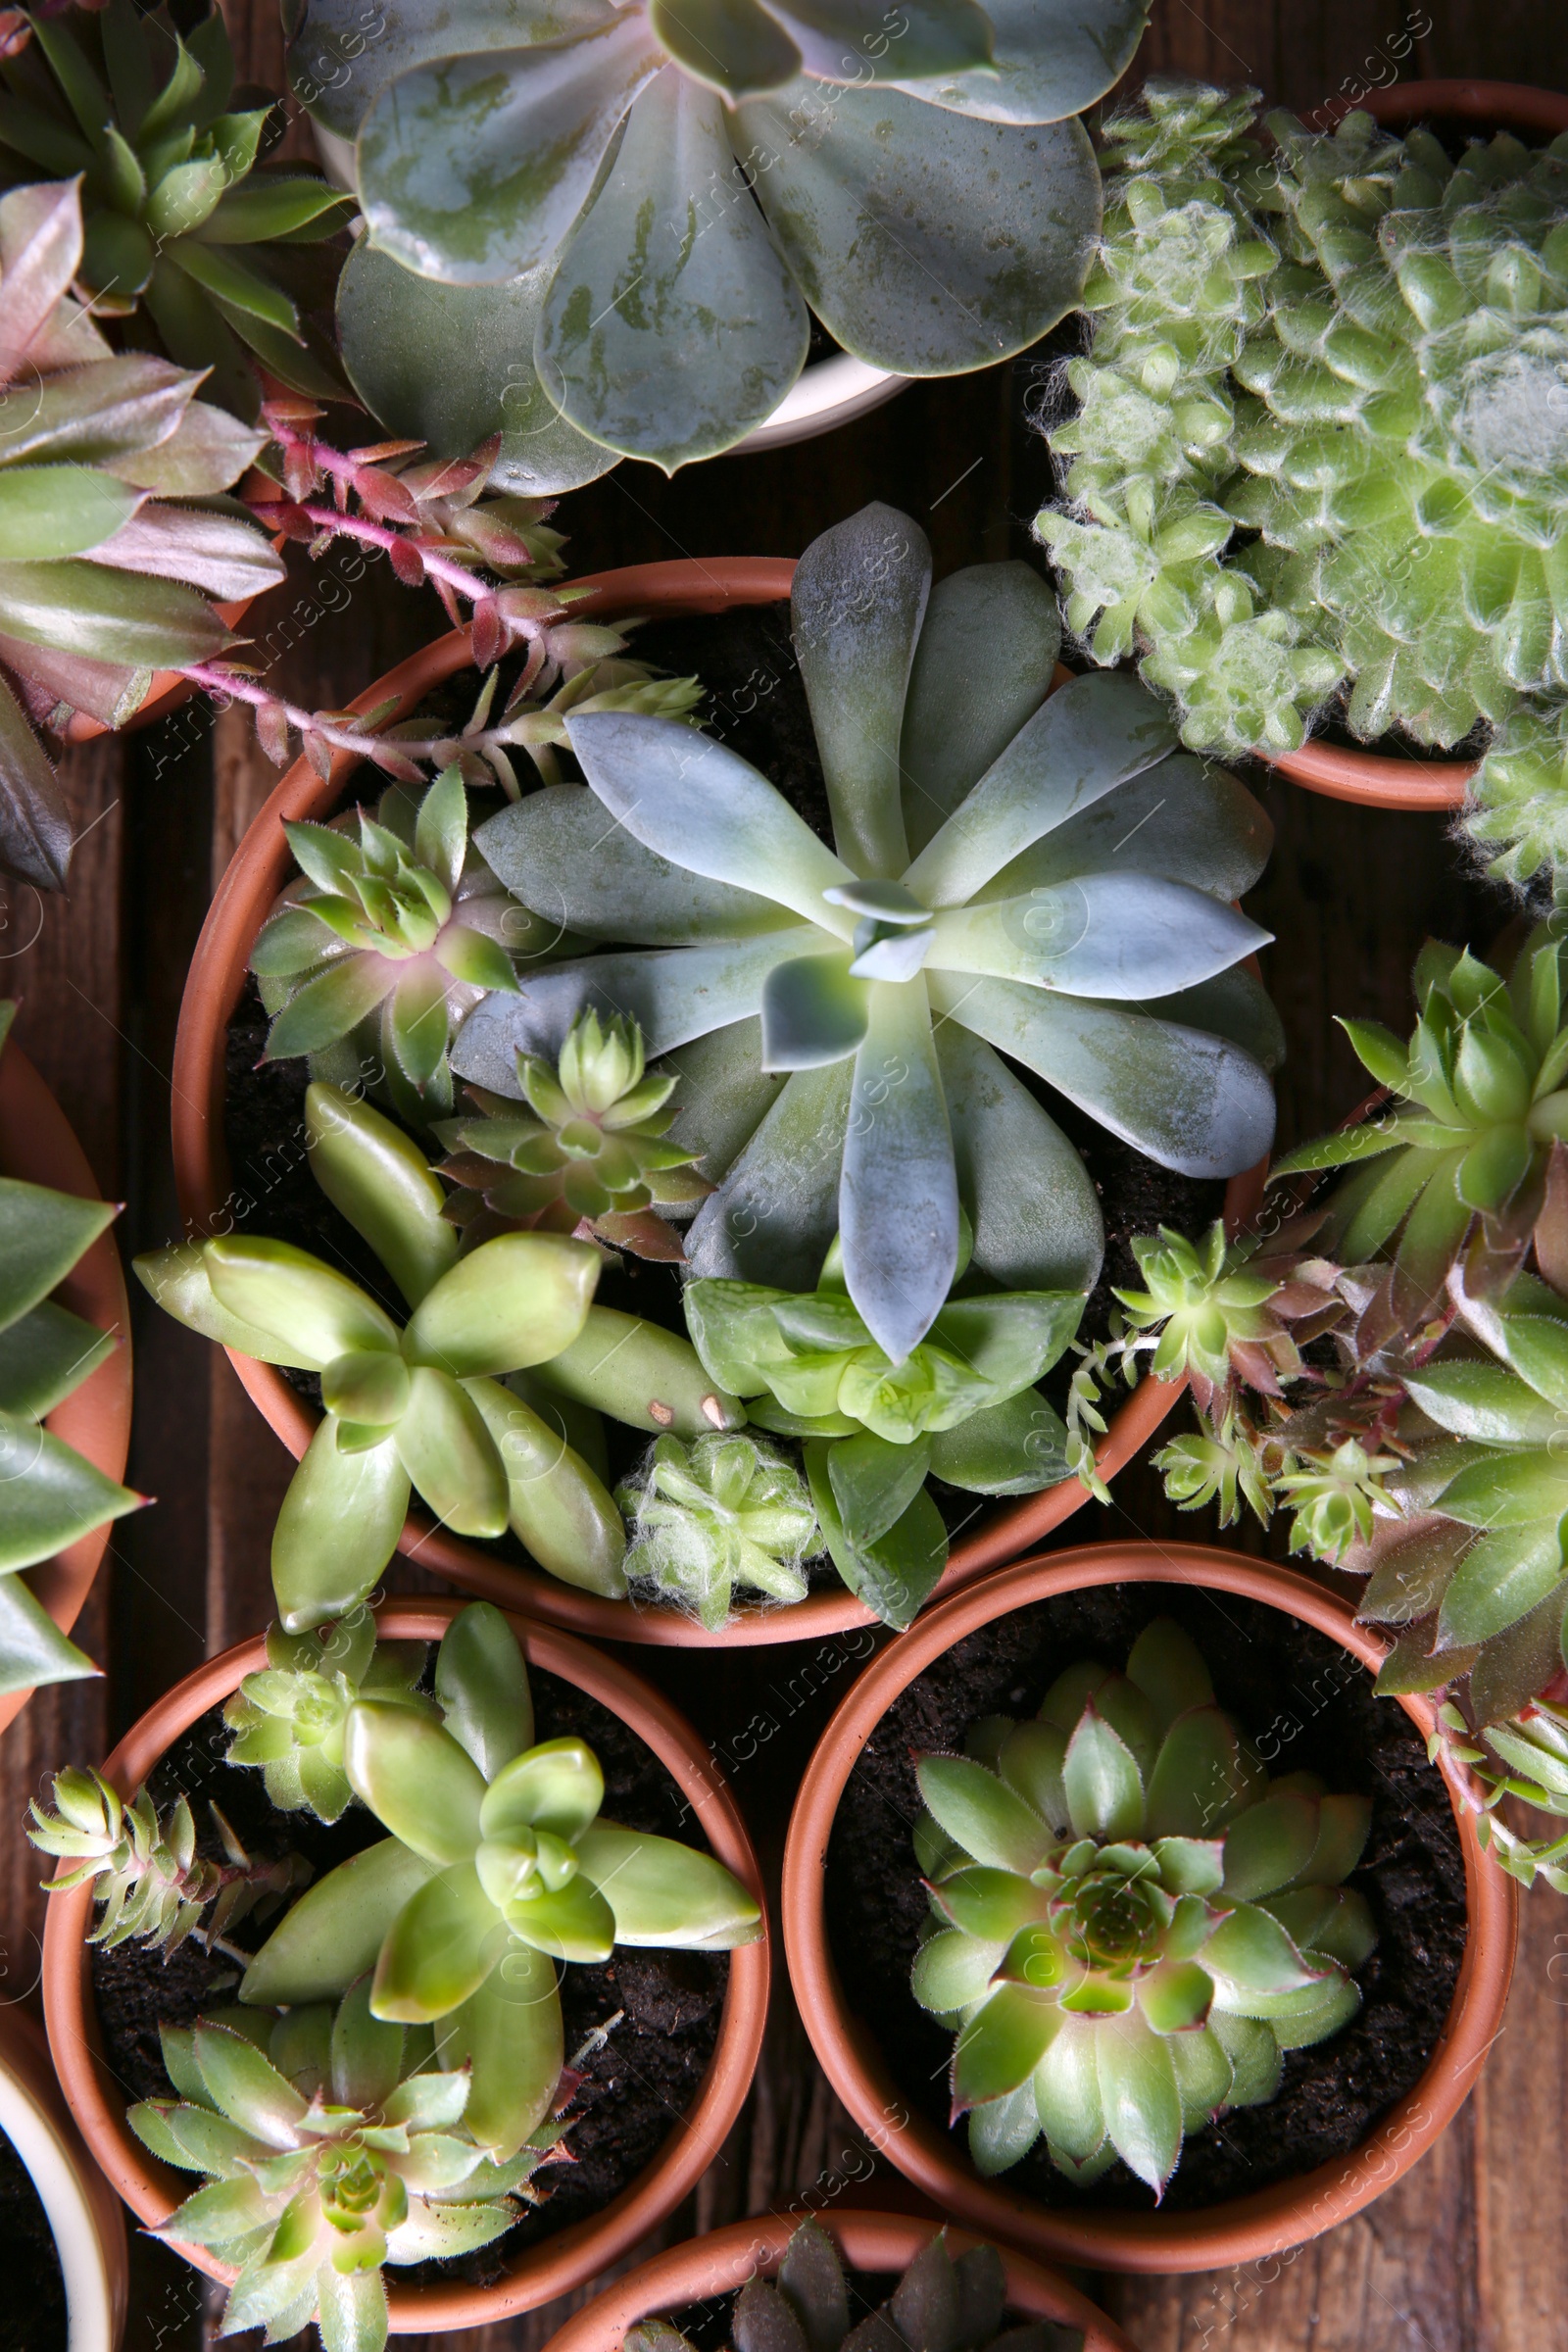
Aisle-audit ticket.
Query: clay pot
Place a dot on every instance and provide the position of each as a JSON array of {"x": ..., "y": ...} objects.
[
  {"x": 258, "y": 871},
  {"x": 1242, "y": 2229},
  {"x": 880, "y": 2242},
  {"x": 82, "y": 2211},
  {"x": 1373, "y": 779},
  {"x": 152, "y": 2190},
  {"x": 37, "y": 1145}
]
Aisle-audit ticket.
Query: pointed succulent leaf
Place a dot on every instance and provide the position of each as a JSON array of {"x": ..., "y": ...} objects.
[
  {"x": 1002, "y": 2045},
  {"x": 338, "y": 1527},
  {"x": 1140, "y": 2099},
  {"x": 509, "y": 2033},
  {"x": 1203, "y": 1776},
  {"x": 557, "y": 1786},
  {"x": 447, "y": 1451},
  {"x": 297, "y": 1297},
  {"x": 1169, "y": 1667},
  {"x": 991, "y": 632},
  {"x": 572, "y": 1922},
  {"x": 177, "y": 1278},
  {"x": 414, "y": 1777},
  {"x": 899, "y": 1194},
  {"x": 1252, "y": 1951},
  {"x": 810, "y": 2278},
  {"x": 481, "y": 1686},
  {"x": 1269, "y": 1845},
  {"x": 42, "y": 1234},
  {"x": 666, "y": 1893},
  {"x": 984, "y": 1816},
  {"x": 814, "y": 1011},
  {"x": 331, "y": 1934},
  {"x": 512, "y": 1302},
  {"x": 53, "y": 1494},
  {"x": 439, "y": 1949},
  {"x": 382, "y": 1182},
  {"x": 1067, "y": 2092},
  {"x": 1104, "y": 1787}
]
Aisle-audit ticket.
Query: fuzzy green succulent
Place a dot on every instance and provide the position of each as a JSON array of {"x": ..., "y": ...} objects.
[
  {"x": 110, "y": 542},
  {"x": 498, "y": 1865},
  {"x": 288, "y": 1716},
  {"x": 202, "y": 249},
  {"x": 1129, "y": 1920},
  {"x": 1014, "y": 876},
  {"x": 722, "y": 1513},
  {"x": 1519, "y": 796},
  {"x": 702, "y": 174},
  {"x": 1353, "y": 355},
  {"x": 588, "y": 1152},
  {"x": 938, "y": 2305},
  {"x": 332, "y": 2145},
  {"x": 420, "y": 1406}
]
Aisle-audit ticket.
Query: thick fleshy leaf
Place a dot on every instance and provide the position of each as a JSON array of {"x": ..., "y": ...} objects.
[
  {"x": 509, "y": 2032},
  {"x": 894, "y": 1576},
  {"x": 1193, "y": 1102},
  {"x": 1484, "y": 1400},
  {"x": 1268, "y": 1846},
  {"x": 33, "y": 1651},
  {"x": 50, "y": 512},
  {"x": 336, "y": 68},
  {"x": 331, "y": 1934},
  {"x": 982, "y": 1813},
  {"x": 672, "y": 327},
  {"x": 481, "y": 1686},
  {"x": 1169, "y": 1667},
  {"x": 994, "y": 225},
  {"x": 1121, "y": 937},
  {"x": 1049, "y": 61},
  {"x": 510, "y": 1304},
  {"x": 1508, "y": 1491},
  {"x": 813, "y": 1012},
  {"x": 382, "y": 1183},
  {"x": 857, "y": 604},
  {"x": 439, "y": 1949},
  {"x": 993, "y": 1905},
  {"x": 1012, "y": 1449},
  {"x": 734, "y": 46},
  {"x": 776, "y": 1212},
  {"x": 303, "y": 1301},
  {"x": 177, "y": 1278},
  {"x": 1251, "y": 1953},
  {"x": 1079, "y": 745},
  {"x": 366, "y": 2052},
  {"x": 49, "y": 1495},
  {"x": 1139, "y": 2098},
  {"x": 1002, "y": 2045},
  {"x": 666, "y": 1893},
  {"x": 1176, "y": 1995},
  {"x": 445, "y": 1446},
  {"x": 1068, "y": 2092},
  {"x": 693, "y": 801},
  {"x": 1202, "y": 1777},
  {"x": 1536, "y": 1346},
  {"x": 811, "y": 2280},
  {"x": 414, "y": 1777},
  {"x": 474, "y": 168},
  {"x": 246, "y": 2088},
  {"x": 847, "y": 41},
  {"x": 982, "y": 668},
  {"x": 899, "y": 1195},
  {"x": 78, "y": 608},
  {"x": 217, "y": 553},
  {"x": 557, "y": 1786},
  {"x": 953, "y": 1969},
  {"x": 573, "y": 1922},
  {"x": 874, "y": 1483},
  {"x": 36, "y": 833},
  {"x": 643, "y": 1375},
  {"x": 41, "y": 248},
  {"x": 1034, "y": 1213},
  {"x": 418, "y": 1025},
  {"x": 1500, "y": 1580},
  {"x": 1181, "y": 818},
  {"x": 207, "y": 450},
  {"x": 1104, "y": 1787},
  {"x": 42, "y": 1234},
  {"x": 388, "y": 321},
  {"x": 555, "y": 851}
]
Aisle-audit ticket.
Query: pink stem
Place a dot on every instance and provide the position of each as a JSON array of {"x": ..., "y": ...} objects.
[
  {"x": 380, "y": 534},
  {"x": 235, "y": 689}
]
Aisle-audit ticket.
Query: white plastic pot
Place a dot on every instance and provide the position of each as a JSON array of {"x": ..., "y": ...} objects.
[{"x": 83, "y": 2210}]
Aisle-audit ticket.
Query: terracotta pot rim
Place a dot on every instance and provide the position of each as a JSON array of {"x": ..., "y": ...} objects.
[
  {"x": 1375, "y": 779},
  {"x": 726, "y": 2259},
  {"x": 1242, "y": 2228},
  {"x": 587, "y": 2247},
  {"x": 38, "y": 1145},
  {"x": 84, "y": 2216},
  {"x": 213, "y": 987}
]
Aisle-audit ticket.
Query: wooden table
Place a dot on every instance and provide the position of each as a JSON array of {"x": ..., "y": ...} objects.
[{"x": 1470, "y": 2252}]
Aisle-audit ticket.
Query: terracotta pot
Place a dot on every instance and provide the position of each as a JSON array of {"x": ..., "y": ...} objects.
[
  {"x": 1242, "y": 2229},
  {"x": 578, "y": 2253},
  {"x": 37, "y": 1145},
  {"x": 1373, "y": 779},
  {"x": 83, "y": 2210},
  {"x": 879, "y": 2243},
  {"x": 258, "y": 871}
]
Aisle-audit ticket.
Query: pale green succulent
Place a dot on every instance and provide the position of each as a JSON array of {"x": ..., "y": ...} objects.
[
  {"x": 1209, "y": 1313},
  {"x": 498, "y": 1866},
  {"x": 1519, "y": 796},
  {"x": 701, "y": 171},
  {"x": 721, "y": 1515},
  {"x": 332, "y": 2145},
  {"x": 1011, "y": 872},
  {"x": 1129, "y": 1920},
  {"x": 288, "y": 1716}
]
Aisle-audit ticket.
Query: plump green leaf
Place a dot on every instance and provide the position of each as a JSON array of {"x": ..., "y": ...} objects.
[
  {"x": 952, "y": 1969},
  {"x": 1068, "y": 2092},
  {"x": 512, "y": 1302},
  {"x": 1251, "y": 1953},
  {"x": 985, "y": 1817},
  {"x": 1513, "y": 1490},
  {"x": 776, "y": 1213},
  {"x": 481, "y": 1686},
  {"x": 1169, "y": 1667},
  {"x": 1201, "y": 1777},
  {"x": 42, "y": 1234},
  {"x": 51, "y": 512},
  {"x": 297, "y": 1298},
  {"x": 414, "y": 1777},
  {"x": 446, "y": 1448},
  {"x": 663, "y": 1892},
  {"x": 337, "y": 1529},
  {"x": 331, "y": 1934},
  {"x": 1484, "y": 1400},
  {"x": 813, "y": 1011},
  {"x": 382, "y": 1182},
  {"x": 509, "y": 2033},
  {"x": 573, "y": 1922},
  {"x": 1002, "y": 2045},
  {"x": 33, "y": 1651},
  {"x": 894, "y": 1576},
  {"x": 1101, "y": 1779},
  {"x": 1035, "y": 1215},
  {"x": 556, "y": 1785},
  {"x": 1050, "y": 61},
  {"x": 1179, "y": 818},
  {"x": 1500, "y": 1580},
  {"x": 49, "y": 1495},
  {"x": 558, "y": 1506},
  {"x": 78, "y": 608},
  {"x": 982, "y": 668},
  {"x": 1118, "y": 937},
  {"x": 1139, "y": 2098},
  {"x": 993, "y": 1905},
  {"x": 874, "y": 1483},
  {"x": 1175, "y": 1996},
  {"x": 439, "y": 1949},
  {"x": 1269, "y": 1845},
  {"x": 1015, "y": 1448},
  {"x": 246, "y": 2088}
]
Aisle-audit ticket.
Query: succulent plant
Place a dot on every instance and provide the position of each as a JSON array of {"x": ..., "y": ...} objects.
[
  {"x": 201, "y": 248},
  {"x": 1475, "y": 1125},
  {"x": 1129, "y": 1920},
  {"x": 410, "y": 1407},
  {"x": 1011, "y": 872},
  {"x": 498, "y": 1865},
  {"x": 1342, "y": 355},
  {"x": 154, "y": 1887},
  {"x": 330, "y": 2146},
  {"x": 107, "y": 554},
  {"x": 711, "y": 172},
  {"x": 587, "y": 1154},
  {"x": 1519, "y": 794},
  {"x": 1216, "y": 1310},
  {"x": 288, "y": 1716},
  {"x": 49, "y": 1495},
  {"x": 939, "y": 2304},
  {"x": 720, "y": 1513},
  {"x": 397, "y": 930}
]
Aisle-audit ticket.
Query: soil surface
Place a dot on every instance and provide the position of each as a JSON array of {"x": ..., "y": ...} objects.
[
  {"x": 633, "y": 2086},
  {"x": 34, "y": 2290},
  {"x": 1307, "y": 1705}
]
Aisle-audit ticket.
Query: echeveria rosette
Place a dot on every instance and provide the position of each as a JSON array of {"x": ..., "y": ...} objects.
[
  {"x": 108, "y": 553},
  {"x": 50, "y": 1496},
  {"x": 1214, "y": 1313},
  {"x": 1129, "y": 1920},
  {"x": 639, "y": 202},
  {"x": 1011, "y": 872},
  {"x": 191, "y": 240},
  {"x": 288, "y": 1717},
  {"x": 415, "y": 1407},
  {"x": 331, "y": 2146},
  {"x": 1473, "y": 1130},
  {"x": 722, "y": 1513},
  {"x": 960, "y": 1405},
  {"x": 499, "y": 1865},
  {"x": 396, "y": 931}
]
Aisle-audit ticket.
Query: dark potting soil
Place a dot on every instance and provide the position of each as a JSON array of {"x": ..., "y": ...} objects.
[
  {"x": 634, "y": 2085},
  {"x": 34, "y": 2290},
  {"x": 709, "y": 2327},
  {"x": 1307, "y": 1706}
]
